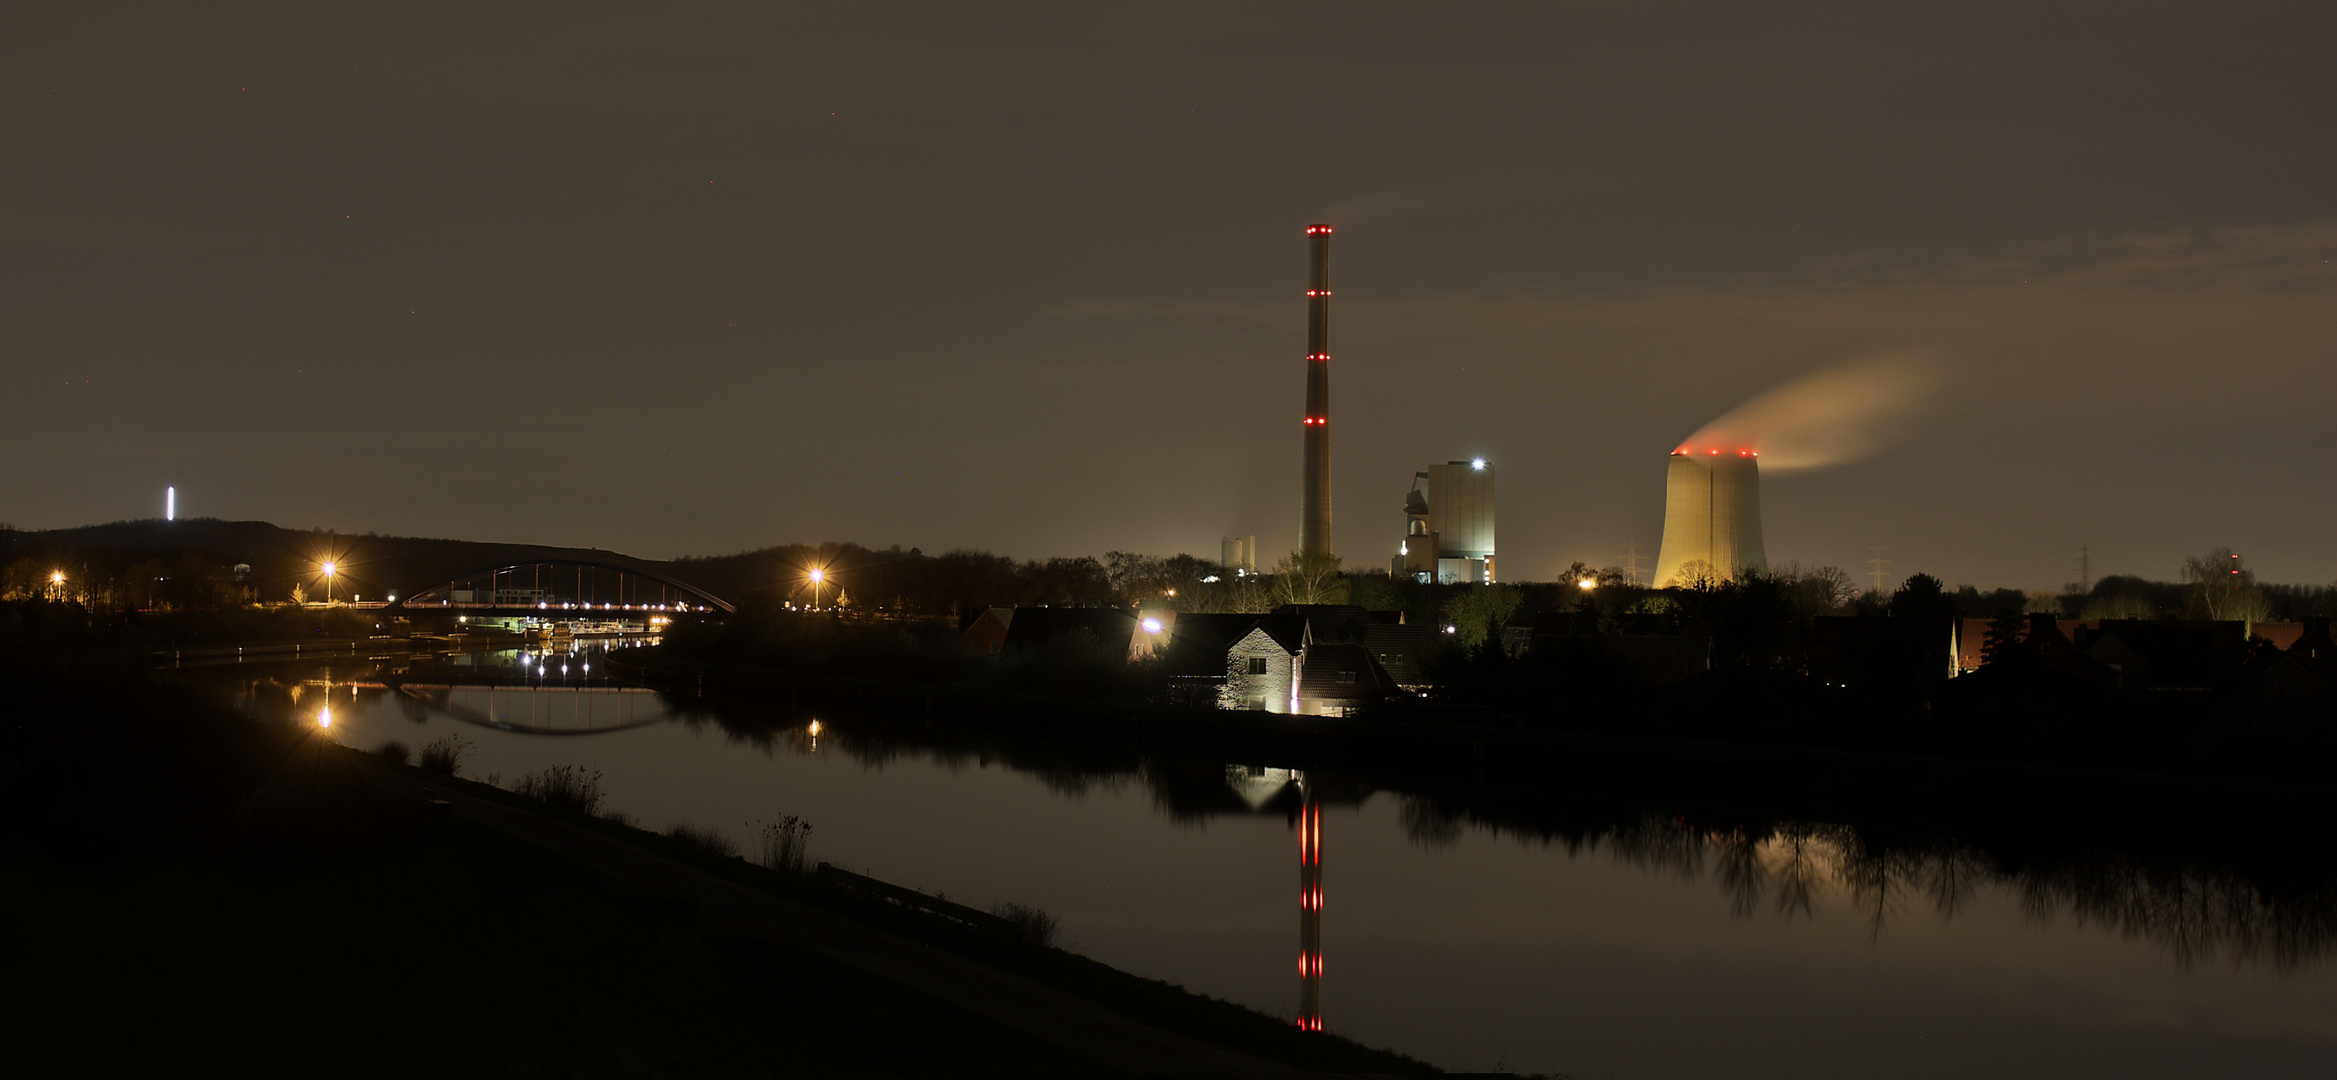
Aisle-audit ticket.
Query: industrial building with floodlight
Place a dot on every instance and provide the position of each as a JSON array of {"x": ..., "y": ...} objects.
[{"x": 1448, "y": 525}]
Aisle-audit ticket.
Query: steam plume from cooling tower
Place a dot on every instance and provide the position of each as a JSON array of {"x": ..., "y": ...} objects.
[{"x": 1828, "y": 418}]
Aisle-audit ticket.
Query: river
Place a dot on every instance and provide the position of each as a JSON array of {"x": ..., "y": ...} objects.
[{"x": 1622, "y": 946}]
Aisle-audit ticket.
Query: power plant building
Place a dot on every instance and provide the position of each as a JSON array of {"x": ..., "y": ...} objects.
[
  {"x": 1448, "y": 525},
  {"x": 1712, "y": 517},
  {"x": 1238, "y": 554}
]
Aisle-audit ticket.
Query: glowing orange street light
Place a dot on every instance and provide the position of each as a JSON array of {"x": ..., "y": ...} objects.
[
  {"x": 330, "y": 569},
  {"x": 818, "y": 575}
]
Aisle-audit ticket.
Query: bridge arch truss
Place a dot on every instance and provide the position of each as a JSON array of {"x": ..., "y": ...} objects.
[{"x": 676, "y": 595}]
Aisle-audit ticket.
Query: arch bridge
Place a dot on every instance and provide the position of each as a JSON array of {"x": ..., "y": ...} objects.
[{"x": 563, "y": 589}]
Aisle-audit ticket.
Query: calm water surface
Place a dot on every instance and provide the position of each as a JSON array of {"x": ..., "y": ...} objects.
[{"x": 1649, "y": 951}]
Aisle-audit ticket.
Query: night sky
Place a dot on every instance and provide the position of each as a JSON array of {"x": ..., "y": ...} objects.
[{"x": 689, "y": 279}]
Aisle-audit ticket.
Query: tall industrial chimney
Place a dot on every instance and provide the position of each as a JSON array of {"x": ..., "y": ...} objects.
[
  {"x": 1314, "y": 524},
  {"x": 1712, "y": 515}
]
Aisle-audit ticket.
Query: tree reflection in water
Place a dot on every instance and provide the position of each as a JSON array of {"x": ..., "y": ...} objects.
[
  {"x": 2248, "y": 885},
  {"x": 2196, "y": 912},
  {"x": 2282, "y": 912}
]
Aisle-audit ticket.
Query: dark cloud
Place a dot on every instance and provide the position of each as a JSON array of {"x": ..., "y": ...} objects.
[{"x": 1026, "y": 276}]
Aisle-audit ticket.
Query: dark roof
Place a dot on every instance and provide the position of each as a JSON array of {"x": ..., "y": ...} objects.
[
  {"x": 1331, "y": 622},
  {"x": 1109, "y": 627},
  {"x": 2315, "y": 649},
  {"x": 2046, "y": 664},
  {"x": 1880, "y": 649},
  {"x": 1287, "y": 630},
  {"x": 1197, "y": 642},
  {"x": 1324, "y": 664},
  {"x": 2170, "y": 652},
  {"x": 1404, "y": 651}
]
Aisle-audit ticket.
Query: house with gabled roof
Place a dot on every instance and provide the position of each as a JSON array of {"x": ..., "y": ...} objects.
[{"x": 1316, "y": 659}]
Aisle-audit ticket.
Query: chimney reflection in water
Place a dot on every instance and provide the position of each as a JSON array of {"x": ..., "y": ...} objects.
[{"x": 1310, "y": 909}]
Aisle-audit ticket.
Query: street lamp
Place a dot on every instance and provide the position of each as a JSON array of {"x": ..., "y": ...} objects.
[
  {"x": 329, "y": 569},
  {"x": 817, "y": 575},
  {"x": 56, "y": 584}
]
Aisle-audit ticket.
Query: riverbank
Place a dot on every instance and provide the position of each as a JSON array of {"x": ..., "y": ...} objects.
[{"x": 219, "y": 892}]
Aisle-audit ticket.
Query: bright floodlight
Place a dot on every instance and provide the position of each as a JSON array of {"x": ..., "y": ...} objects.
[
  {"x": 324, "y": 717},
  {"x": 1152, "y": 626},
  {"x": 57, "y": 577},
  {"x": 819, "y": 575},
  {"x": 330, "y": 568},
  {"x": 1590, "y": 583},
  {"x": 1477, "y": 464}
]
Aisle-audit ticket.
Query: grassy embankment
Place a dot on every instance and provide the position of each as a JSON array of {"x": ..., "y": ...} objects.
[{"x": 192, "y": 890}]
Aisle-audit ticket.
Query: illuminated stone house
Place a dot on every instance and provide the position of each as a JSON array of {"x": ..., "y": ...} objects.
[
  {"x": 1308, "y": 664},
  {"x": 1316, "y": 661}
]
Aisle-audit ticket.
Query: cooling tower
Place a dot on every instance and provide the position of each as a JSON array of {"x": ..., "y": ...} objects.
[
  {"x": 1712, "y": 515},
  {"x": 1314, "y": 515}
]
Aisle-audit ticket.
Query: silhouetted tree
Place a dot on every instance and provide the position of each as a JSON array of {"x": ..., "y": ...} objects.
[
  {"x": 1302, "y": 578},
  {"x": 1478, "y": 612},
  {"x": 1921, "y": 596},
  {"x": 2004, "y": 634},
  {"x": 2120, "y": 597},
  {"x": 1374, "y": 592},
  {"x": 2221, "y": 588}
]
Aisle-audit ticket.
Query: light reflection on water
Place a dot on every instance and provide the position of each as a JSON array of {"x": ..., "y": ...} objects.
[{"x": 1610, "y": 944}]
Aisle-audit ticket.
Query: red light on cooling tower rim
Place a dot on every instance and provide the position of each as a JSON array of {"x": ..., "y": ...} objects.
[
  {"x": 1318, "y": 356},
  {"x": 1312, "y": 230},
  {"x": 1318, "y": 292}
]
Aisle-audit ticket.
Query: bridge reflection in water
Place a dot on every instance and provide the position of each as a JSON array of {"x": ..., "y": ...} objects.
[{"x": 526, "y": 692}]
